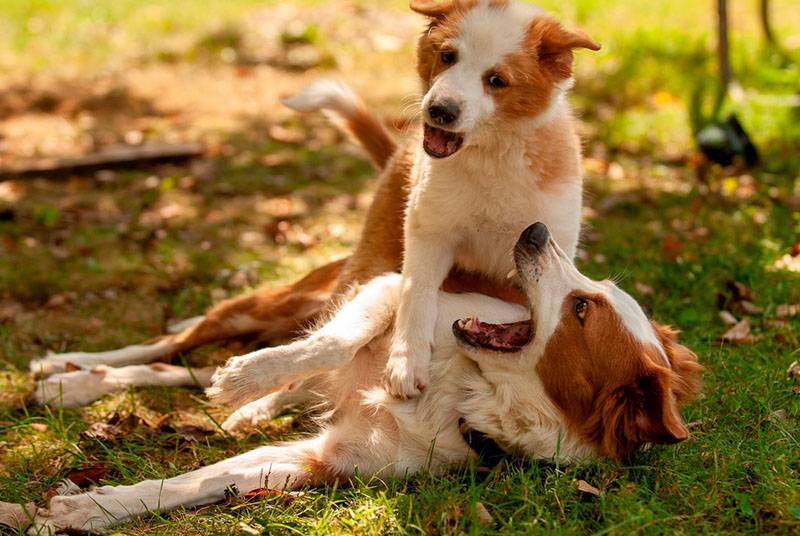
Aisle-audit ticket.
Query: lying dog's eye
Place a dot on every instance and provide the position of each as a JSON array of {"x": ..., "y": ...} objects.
[
  {"x": 497, "y": 81},
  {"x": 448, "y": 57},
  {"x": 581, "y": 307}
]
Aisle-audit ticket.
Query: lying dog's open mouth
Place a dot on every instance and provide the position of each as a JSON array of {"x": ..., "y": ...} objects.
[
  {"x": 440, "y": 143},
  {"x": 511, "y": 337}
]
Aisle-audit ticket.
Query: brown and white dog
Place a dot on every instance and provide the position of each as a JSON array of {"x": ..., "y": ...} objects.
[
  {"x": 579, "y": 373},
  {"x": 516, "y": 157},
  {"x": 497, "y": 150}
]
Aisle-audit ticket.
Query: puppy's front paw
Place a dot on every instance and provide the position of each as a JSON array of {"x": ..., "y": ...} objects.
[{"x": 406, "y": 374}]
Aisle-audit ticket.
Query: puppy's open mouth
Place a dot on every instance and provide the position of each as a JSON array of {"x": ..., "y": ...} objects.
[
  {"x": 440, "y": 143},
  {"x": 510, "y": 337}
]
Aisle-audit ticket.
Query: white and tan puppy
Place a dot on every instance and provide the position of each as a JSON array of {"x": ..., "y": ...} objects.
[
  {"x": 495, "y": 74},
  {"x": 581, "y": 373}
]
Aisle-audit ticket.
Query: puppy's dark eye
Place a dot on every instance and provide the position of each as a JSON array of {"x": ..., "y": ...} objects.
[
  {"x": 448, "y": 57},
  {"x": 581, "y": 307},
  {"x": 497, "y": 81}
]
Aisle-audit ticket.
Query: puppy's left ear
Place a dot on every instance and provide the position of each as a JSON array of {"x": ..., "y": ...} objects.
[
  {"x": 432, "y": 8},
  {"x": 556, "y": 44}
]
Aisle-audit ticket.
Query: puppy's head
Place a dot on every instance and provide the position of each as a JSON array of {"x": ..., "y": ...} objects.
[
  {"x": 484, "y": 64},
  {"x": 617, "y": 379}
]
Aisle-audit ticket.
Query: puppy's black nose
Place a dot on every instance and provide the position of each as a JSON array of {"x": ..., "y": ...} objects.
[
  {"x": 535, "y": 235},
  {"x": 444, "y": 112}
]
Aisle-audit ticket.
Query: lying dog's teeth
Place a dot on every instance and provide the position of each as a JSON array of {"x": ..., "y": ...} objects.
[{"x": 512, "y": 273}]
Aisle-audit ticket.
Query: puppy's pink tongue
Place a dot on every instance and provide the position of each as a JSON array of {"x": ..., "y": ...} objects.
[{"x": 440, "y": 143}]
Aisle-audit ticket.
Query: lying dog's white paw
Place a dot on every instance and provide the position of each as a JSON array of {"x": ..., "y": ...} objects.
[
  {"x": 406, "y": 375},
  {"x": 74, "y": 512},
  {"x": 54, "y": 363},
  {"x": 74, "y": 389},
  {"x": 254, "y": 414}
]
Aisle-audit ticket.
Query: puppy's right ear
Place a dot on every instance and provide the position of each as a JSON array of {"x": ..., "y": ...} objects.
[{"x": 432, "y": 8}]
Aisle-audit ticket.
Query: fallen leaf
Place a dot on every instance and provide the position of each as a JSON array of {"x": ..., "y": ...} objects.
[
  {"x": 17, "y": 516},
  {"x": 483, "y": 515},
  {"x": 115, "y": 426},
  {"x": 787, "y": 310},
  {"x": 585, "y": 487},
  {"x": 88, "y": 474},
  {"x": 644, "y": 290},
  {"x": 727, "y": 318},
  {"x": 740, "y": 333},
  {"x": 671, "y": 246},
  {"x": 794, "y": 370},
  {"x": 39, "y": 427},
  {"x": 750, "y": 308},
  {"x": 780, "y": 415}
]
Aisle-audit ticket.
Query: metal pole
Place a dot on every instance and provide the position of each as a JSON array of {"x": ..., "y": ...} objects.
[{"x": 722, "y": 43}]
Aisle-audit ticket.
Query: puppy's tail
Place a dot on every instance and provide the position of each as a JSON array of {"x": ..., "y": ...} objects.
[{"x": 347, "y": 111}]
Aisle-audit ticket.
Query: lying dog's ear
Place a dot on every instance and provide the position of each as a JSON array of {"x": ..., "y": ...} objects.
[
  {"x": 432, "y": 8},
  {"x": 645, "y": 411},
  {"x": 555, "y": 44},
  {"x": 687, "y": 371}
]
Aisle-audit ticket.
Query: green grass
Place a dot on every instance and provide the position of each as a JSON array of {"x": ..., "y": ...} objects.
[{"x": 673, "y": 235}]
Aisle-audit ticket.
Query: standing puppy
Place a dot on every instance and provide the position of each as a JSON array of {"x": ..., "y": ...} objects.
[{"x": 498, "y": 150}]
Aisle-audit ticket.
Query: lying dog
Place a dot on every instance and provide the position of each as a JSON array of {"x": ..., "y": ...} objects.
[
  {"x": 519, "y": 159},
  {"x": 581, "y": 373}
]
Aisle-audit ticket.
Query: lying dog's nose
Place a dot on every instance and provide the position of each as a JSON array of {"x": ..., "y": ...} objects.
[
  {"x": 444, "y": 112},
  {"x": 536, "y": 235}
]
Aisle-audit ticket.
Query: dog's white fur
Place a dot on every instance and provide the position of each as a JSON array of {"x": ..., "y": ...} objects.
[{"x": 469, "y": 208}]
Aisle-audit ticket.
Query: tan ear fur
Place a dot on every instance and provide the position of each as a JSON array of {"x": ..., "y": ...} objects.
[
  {"x": 432, "y": 8},
  {"x": 556, "y": 44},
  {"x": 687, "y": 371}
]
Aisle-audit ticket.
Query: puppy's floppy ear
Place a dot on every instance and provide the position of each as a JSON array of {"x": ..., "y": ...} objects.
[
  {"x": 555, "y": 45},
  {"x": 643, "y": 412},
  {"x": 432, "y": 8}
]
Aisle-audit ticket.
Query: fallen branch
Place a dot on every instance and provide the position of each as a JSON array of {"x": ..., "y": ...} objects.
[{"x": 124, "y": 156}]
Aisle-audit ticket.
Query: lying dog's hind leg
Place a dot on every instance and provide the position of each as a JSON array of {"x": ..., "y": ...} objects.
[
  {"x": 279, "y": 314},
  {"x": 276, "y": 467},
  {"x": 77, "y": 388},
  {"x": 250, "y": 376}
]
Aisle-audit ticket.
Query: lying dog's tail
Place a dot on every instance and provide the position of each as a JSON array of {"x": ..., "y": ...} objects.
[{"x": 349, "y": 112}]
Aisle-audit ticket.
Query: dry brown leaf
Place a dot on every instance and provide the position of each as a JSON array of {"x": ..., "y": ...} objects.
[
  {"x": 17, "y": 516},
  {"x": 39, "y": 427},
  {"x": 644, "y": 290},
  {"x": 794, "y": 370},
  {"x": 787, "y": 310},
  {"x": 88, "y": 474},
  {"x": 750, "y": 308},
  {"x": 483, "y": 515},
  {"x": 259, "y": 494},
  {"x": 740, "y": 333},
  {"x": 727, "y": 318},
  {"x": 585, "y": 487}
]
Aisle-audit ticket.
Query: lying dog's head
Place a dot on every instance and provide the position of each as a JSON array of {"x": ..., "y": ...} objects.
[
  {"x": 617, "y": 379},
  {"x": 487, "y": 63}
]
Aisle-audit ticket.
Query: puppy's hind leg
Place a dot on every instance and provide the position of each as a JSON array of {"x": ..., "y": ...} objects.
[{"x": 250, "y": 376}]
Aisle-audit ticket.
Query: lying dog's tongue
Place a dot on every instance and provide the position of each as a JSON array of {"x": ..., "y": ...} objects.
[
  {"x": 440, "y": 143},
  {"x": 510, "y": 337}
]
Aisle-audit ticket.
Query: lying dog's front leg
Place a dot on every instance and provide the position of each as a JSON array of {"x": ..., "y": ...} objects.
[
  {"x": 251, "y": 376},
  {"x": 282, "y": 468}
]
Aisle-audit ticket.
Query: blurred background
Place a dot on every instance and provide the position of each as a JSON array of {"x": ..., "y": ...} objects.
[{"x": 103, "y": 252}]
